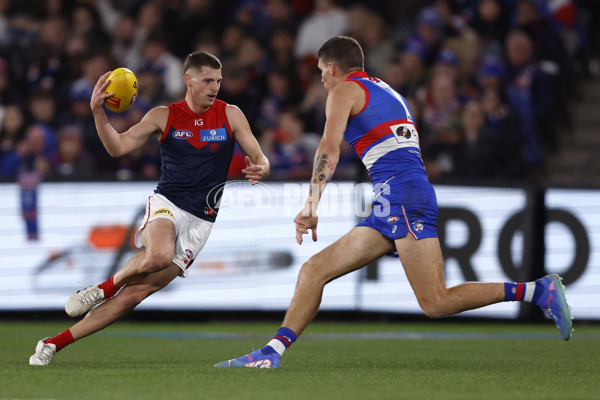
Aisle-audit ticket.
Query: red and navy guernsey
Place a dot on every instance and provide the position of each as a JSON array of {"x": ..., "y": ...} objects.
[{"x": 196, "y": 150}]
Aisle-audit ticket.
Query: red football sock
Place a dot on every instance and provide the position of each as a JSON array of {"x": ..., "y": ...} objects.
[
  {"x": 109, "y": 288},
  {"x": 61, "y": 340}
]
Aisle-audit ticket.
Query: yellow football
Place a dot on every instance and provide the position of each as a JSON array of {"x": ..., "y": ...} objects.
[{"x": 123, "y": 84}]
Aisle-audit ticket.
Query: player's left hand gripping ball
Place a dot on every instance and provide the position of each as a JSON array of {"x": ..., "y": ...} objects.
[{"x": 123, "y": 84}]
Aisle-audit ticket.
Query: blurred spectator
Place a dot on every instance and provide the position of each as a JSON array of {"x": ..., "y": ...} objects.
[
  {"x": 490, "y": 21},
  {"x": 394, "y": 75},
  {"x": 12, "y": 130},
  {"x": 42, "y": 108},
  {"x": 530, "y": 93},
  {"x": 452, "y": 14},
  {"x": 236, "y": 88},
  {"x": 442, "y": 150},
  {"x": 550, "y": 53},
  {"x": 281, "y": 14},
  {"x": 312, "y": 106},
  {"x": 50, "y": 71},
  {"x": 326, "y": 20},
  {"x": 252, "y": 57},
  {"x": 208, "y": 41},
  {"x": 93, "y": 66},
  {"x": 80, "y": 114},
  {"x": 282, "y": 49},
  {"x": 8, "y": 93},
  {"x": 450, "y": 62},
  {"x": 281, "y": 93},
  {"x": 441, "y": 110},
  {"x": 151, "y": 90},
  {"x": 157, "y": 58},
  {"x": 191, "y": 17},
  {"x": 128, "y": 43},
  {"x": 289, "y": 148},
  {"x": 491, "y": 74},
  {"x": 566, "y": 15},
  {"x": 503, "y": 123},
  {"x": 371, "y": 30},
  {"x": 23, "y": 49},
  {"x": 230, "y": 42},
  {"x": 71, "y": 162},
  {"x": 150, "y": 17},
  {"x": 479, "y": 153},
  {"x": 411, "y": 62},
  {"x": 77, "y": 50},
  {"x": 37, "y": 150},
  {"x": 85, "y": 21},
  {"x": 430, "y": 33},
  {"x": 446, "y": 63},
  {"x": 252, "y": 16}
]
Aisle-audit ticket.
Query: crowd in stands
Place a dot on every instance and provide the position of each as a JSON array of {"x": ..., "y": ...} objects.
[{"x": 489, "y": 82}]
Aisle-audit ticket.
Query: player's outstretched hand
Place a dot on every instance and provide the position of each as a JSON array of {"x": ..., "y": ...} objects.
[
  {"x": 98, "y": 95},
  {"x": 305, "y": 220},
  {"x": 254, "y": 173}
]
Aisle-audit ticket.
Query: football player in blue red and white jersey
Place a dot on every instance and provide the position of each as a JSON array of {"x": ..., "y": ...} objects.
[
  {"x": 376, "y": 121},
  {"x": 197, "y": 137}
]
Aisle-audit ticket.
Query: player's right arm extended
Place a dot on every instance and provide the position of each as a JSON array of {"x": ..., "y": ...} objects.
[{"x": 118, "y": 144}]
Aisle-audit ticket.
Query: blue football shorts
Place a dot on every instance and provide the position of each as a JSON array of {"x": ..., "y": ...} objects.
[{"x": 405, "y": 208}]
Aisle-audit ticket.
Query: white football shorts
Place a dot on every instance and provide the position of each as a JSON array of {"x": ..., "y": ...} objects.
[{"x": 191, "y": 232}]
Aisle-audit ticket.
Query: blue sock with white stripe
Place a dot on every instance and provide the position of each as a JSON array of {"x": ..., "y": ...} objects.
[
  {"x": 528, "y": 292},
  {"x": 280, "y": 342}
]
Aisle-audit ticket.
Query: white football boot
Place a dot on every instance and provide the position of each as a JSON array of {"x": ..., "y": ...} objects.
[
  {"x": 84, "y": 300},
  {"x": 44, "y": 353}
]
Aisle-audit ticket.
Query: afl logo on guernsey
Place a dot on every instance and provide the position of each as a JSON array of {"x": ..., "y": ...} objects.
[{"x": 182, "y": 134}]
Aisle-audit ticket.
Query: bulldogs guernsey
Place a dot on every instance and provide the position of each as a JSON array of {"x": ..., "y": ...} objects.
[
  {"x": 196, "y": 150},
  {"x": 383, "y": 134}
]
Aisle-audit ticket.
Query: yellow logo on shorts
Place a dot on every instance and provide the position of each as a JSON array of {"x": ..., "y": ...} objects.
[{"x": 163, "y": 211}]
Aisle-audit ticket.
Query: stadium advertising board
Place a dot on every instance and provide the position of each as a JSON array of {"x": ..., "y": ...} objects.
[{"x": 251, "y": 260}]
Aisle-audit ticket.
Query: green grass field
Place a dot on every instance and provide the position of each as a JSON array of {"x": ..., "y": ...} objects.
[{"x": 431, "y": 360}]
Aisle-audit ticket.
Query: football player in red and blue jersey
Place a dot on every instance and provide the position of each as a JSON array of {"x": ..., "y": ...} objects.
[
  {"x": 197, "y": 137},
  {"x": 376, "y": 121}
]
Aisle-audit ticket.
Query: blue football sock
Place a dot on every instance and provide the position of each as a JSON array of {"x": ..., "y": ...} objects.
[
  {"x": 280, "y": 342},
  {"x": 528, "y": 292},
  {"x": 285, "y": 336}
]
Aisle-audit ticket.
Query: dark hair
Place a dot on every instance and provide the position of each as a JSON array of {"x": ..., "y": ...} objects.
[
  {"x": 201, "y": 59},
  {"x": 345, "y": 52}
]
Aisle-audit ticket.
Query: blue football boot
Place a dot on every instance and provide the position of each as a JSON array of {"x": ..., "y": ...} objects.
[
  {"x": 256, "y": 359},
  {"x": 554, "y": 304}
]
